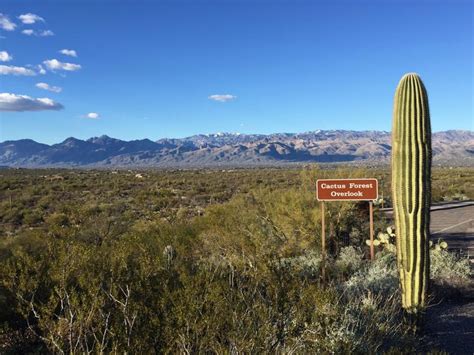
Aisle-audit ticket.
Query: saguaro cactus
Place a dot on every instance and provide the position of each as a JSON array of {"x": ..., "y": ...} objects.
[{"x": 411, "y": 188}]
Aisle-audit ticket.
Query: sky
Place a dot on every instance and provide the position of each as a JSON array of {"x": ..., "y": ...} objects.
[{"x": 155, "y": 69}]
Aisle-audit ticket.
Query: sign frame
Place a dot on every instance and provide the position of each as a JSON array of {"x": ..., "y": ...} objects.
[
  {"x": 323, "y": 222},
  {"x": 348, "y": 199}
]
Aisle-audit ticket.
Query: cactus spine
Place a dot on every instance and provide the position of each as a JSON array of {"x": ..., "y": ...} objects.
[{"x": 411, "y": 188}]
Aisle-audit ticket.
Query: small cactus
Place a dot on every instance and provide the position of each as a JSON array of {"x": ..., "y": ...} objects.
[
  {"x": 383, "y": 239},
  {"x": 441, "y": 245},
  {"x": 390, "y": 231},
  {"x": 376, "y": 242}
]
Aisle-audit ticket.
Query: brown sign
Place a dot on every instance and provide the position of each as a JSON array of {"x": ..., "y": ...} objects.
[{"x": 347, "y": 189}]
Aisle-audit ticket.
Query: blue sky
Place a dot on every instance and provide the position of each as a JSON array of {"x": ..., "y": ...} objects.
[{"x": 149, "y": 69}]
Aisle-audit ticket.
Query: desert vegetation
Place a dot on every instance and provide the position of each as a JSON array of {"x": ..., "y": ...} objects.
[{"x": 216, "y": 261}]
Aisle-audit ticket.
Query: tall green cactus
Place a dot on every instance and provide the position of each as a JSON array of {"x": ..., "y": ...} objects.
[{"x": 411, "y": 188}]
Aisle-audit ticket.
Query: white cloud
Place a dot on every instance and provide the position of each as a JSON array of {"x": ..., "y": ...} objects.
[
  {"x": 41, "y": 69},
  {"x": 69, "y": 52},
  {"x": 12, "y": 70},
  {"x": 44, "y": 33},
  {"x": 5, "y": 57},
  {"x": 54, "y": 64},
  {"x": 29, "y": 18},
  {"x": 92, "y": 115},
  {"x": 6, "y": 24},
  {"x": 19, "y": 103},
  {"x": 48, "y": 87},
  {"x": 222, "y": 97}
]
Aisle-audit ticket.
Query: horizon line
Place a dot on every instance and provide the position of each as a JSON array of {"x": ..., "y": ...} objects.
[{"x": 220, "y": 134}]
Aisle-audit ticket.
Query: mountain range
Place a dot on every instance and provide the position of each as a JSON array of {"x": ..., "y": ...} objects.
[{"x": 455, "y": 147}]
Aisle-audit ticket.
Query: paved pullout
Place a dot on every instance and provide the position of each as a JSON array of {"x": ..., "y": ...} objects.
[{"x": 452, "y": 222}]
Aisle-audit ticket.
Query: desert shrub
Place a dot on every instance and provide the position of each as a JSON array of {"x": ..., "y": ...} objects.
[
  {"x": 270, "y": 308},
  {"x": 162, "y": 288},
  {"x": 367, "y": 323},
  {"x": 377, "y": 277},
  {"x": 248, "y": 228},
  {"x": 57, "y": 220},
  {"x": 13, "y": 215},
  {"x": 124, "y": 265},
  {"x": 446, "y": 266},
  {"x": 349, "y": 260},
  {"x": 307, "y": 265}
]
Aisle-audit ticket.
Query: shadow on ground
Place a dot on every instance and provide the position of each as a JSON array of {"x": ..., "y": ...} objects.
[{"x": 449, "y": 324}]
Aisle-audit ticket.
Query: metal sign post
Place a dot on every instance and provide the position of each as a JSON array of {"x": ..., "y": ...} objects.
[
  {"x": 371, "y": 223},
  {"x": 323, "y": 243}
]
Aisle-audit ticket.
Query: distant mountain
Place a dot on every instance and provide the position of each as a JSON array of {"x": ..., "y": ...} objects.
[{"x": 230, "y": 149}]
